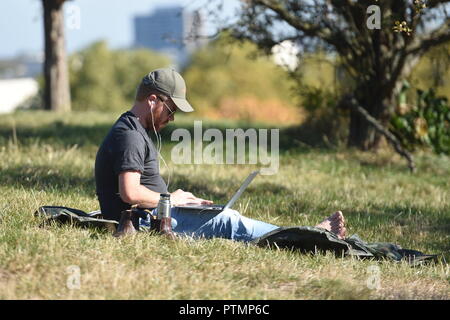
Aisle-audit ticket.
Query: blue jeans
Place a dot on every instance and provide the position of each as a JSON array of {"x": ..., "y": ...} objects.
[{"x": 228, "y": 224}]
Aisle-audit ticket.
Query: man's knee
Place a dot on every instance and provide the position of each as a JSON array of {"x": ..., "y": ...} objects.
[{"x": 230, "y": 214}]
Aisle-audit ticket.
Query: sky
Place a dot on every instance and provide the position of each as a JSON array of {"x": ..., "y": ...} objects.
[{"x": 21, "y": 22}]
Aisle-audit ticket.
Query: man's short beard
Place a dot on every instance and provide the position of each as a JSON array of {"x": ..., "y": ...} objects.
[{"x": 150, "y": 122}]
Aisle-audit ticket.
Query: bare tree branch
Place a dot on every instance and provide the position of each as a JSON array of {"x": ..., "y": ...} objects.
[
  {"x": 426, "y": 42},
  {"x": 376, "y": 60},
  {"x": 309, "y": 29},
  {"x": 353, "y": 104}
]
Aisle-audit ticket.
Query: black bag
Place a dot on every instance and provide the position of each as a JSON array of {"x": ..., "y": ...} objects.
[
  {"x": 313, "y": 240},
  {"x": 77, "y": 217}
]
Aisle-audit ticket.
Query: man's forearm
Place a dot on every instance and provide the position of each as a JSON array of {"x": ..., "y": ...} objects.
[
  {"x": 143, "y": 197},
  {"x": 134, "y": 193}
]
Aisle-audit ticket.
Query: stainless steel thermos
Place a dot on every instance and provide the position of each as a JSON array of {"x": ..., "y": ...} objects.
[
  {"x": 163, "y": 223},
  {"x": 164, "y": 206}
]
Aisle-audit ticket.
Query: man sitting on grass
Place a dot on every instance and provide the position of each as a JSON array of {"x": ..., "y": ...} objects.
[{"x": 127, "y": 170}]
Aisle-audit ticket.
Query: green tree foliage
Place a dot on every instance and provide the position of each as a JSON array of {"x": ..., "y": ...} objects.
[
  {"x": 426, "y": 123},
  {"x": 433, "y": 70},
  {"x": 422, "y": 118},
  {"x": 316, "y": 82},
  {"x": 105, "y": 79},
  {"x": 376, "y": 57},
  {"x": 224, "y": 69}
]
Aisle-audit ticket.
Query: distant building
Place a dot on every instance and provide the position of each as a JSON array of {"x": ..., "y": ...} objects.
[
  {"x": 170, "y": 30},
  {"x": 17, "y": 80},
  {"x": 285, "y": 54},
  {"x": 22, "y": 66},
  {"x": 14, "y": 92}
]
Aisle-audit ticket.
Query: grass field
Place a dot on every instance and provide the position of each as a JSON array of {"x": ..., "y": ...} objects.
[{"x": 48, "y": 159}]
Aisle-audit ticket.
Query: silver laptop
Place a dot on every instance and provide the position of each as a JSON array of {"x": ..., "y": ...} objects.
[{"x": 218, "y": 207}]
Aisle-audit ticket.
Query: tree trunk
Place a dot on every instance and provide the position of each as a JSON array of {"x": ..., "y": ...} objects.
[
  {"x": 57, "y": 92},
  {"x": 362, "y": 135},
  {"x": 353, "y": 104}
]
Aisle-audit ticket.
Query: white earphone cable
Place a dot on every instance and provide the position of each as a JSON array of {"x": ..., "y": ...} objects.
[{"x": 158, "y": 149}]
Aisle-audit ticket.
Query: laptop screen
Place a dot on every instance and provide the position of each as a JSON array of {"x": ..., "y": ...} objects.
[{"x": 241, "y": 189}]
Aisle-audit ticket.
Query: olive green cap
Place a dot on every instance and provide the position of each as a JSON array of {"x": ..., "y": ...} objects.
[{"x": 170, "y": 83}]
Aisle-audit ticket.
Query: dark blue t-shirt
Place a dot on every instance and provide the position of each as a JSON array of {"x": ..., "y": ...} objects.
[{"x": 127, "y": 147}]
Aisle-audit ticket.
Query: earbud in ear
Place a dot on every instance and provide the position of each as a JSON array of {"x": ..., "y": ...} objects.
[{"x": 152, "y": 104}]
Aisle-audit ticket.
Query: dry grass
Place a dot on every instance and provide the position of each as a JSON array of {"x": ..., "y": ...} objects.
[
  {"x": 380, "y": 199},
  {"x": 252, "y": 109}
]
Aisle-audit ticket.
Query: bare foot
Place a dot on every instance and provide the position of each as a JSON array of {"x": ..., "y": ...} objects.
[{"x": 334, "y": 223}]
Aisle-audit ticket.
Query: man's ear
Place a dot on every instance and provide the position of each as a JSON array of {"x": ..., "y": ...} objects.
[
  {"x": 151, "y": 99},
  {"x": 151, "y": 102}
]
